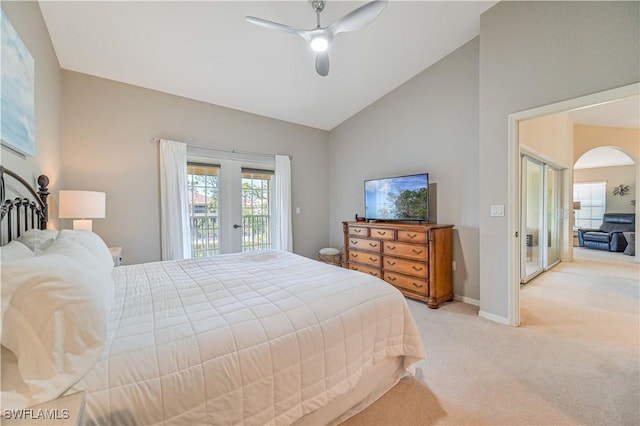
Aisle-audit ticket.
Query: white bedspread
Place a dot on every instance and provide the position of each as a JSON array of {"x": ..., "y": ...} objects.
[{"x": 256, "y": 338}]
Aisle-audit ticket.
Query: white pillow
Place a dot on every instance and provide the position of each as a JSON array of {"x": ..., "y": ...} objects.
[
  {"x": 91, "y": 242},
  {"x": 15, "y": 250},
  {"x": 78, "y": 253},
  {"x": 11, "y": 252},
  {"x": 38, "y": 239},
  {"x": 55, "y": 322}
]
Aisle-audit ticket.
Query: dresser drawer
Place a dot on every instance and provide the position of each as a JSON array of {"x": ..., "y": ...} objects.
[
  {"x": 411, "y": 251},
  {"x": 383, "y": 233},
  {"x": 365, "y": 244},
  {"x": 410, "y": 267},
  {"x": 412, "y": 237},
  {"x": 366, "y": 269},
  {"x": 417, "y": 285},
  {"x": 360, "y": 231},
  {"x": 365, "y": 258}
]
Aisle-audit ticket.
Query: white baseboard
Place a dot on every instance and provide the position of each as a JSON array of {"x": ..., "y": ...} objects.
[
  {"x": 482, "y": 314},
  {"x": 494, "y": 317},
  {"x": 470, "y": 301}
]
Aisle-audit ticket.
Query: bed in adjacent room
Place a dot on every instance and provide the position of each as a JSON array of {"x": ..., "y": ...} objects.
[{"x": 265, "y": 337}]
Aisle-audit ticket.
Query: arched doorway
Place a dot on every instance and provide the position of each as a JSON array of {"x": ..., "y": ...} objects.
[{"x": 604, "y": 182}]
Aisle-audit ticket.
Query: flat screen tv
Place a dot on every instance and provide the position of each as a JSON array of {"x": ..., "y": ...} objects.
[{"x": 401, "y": 198}]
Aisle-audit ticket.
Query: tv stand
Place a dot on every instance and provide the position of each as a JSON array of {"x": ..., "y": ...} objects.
[{"x": 414, "y": 258}]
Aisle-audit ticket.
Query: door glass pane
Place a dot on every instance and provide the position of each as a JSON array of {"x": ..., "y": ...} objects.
[
  {"x": 553, "y": 216},
  {"x": 533, "y": 192},
  {"x": 204, "y": 193},
  {"x": 256, "y": 209}
]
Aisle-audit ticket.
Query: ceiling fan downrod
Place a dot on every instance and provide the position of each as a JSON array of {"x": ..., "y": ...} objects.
[{"x": 318, "y": 6}]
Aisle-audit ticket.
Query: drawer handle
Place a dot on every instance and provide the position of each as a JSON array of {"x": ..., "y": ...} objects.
[
  {"x": 412, "y": 236},
  {"x": 390, "y": 263},
  {"x": 416, "y": 268},
  {"x": 391, "y": 247},
  {"x": 357, "y": 231},
  {"x": 391, "y": 278},
  {"x": 373, "y": 259},
  {"x": 375, "y": 274},
  {"x": 416, "y": 251},
  {"x": 353, "y": 254},
  {"x": 416, "y": 285},
  {"x": 373, "y": 244},
  {"x": 354, "y": 242},
  {"x": 382, "y": 232}
]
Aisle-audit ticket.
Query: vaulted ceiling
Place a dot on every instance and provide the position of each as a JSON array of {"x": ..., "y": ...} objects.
[{"x": 206, "y": 50}]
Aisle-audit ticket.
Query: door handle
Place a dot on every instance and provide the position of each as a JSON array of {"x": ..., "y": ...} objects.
[{"x": 237, "y": 226}]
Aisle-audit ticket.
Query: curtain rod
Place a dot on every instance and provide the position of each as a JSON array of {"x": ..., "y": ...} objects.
[{"x": 230, "y": 151}]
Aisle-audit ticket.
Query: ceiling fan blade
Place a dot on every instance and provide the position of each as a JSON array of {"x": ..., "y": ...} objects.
[
  {"x": 359, "y": 18},
  {"x": 274, "y": 26},
  {"x": 322, "y": 63}
]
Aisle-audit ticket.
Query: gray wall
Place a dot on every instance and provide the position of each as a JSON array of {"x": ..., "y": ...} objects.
[
  {"x": 27, "y": 20},
  {"x": 107, "y": 131},
  {"x": 429, "y": 124},
  {"x": 534, "y": 54}
]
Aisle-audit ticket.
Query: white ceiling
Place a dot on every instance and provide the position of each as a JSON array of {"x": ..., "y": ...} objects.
[
  {"x": 621, "y": 113},
  {"x": 602, "y": 157},
  {"x": 205, "y": 50}
]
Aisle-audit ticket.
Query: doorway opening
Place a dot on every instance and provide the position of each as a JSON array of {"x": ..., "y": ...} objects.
[{"x": 514, "y": 211}]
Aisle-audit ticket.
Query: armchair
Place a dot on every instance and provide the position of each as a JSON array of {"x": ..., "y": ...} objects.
[{"x": 609, "y": 236}]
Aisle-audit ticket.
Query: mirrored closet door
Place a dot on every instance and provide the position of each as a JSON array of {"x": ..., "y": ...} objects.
[{"x": 540, "y": 217}]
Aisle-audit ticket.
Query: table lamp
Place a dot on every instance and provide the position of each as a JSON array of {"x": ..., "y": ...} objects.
[{"x": 82, "y": 206}]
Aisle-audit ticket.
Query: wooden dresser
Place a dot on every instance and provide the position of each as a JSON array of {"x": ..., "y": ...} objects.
[{"x": 416, "y": 259}]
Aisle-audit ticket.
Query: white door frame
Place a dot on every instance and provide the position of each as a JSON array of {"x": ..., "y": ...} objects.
[{"x": 513, "y": 183}]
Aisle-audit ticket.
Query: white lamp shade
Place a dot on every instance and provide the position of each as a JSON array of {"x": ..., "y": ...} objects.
[{"x": 82, "y": 205}]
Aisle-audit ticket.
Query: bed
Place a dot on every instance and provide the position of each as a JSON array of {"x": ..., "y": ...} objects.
[{"x": 265, "y": 337}]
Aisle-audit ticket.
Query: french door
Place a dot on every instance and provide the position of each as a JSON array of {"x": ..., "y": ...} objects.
[
  {"x": 540, "y": 217},
  {"x": 229, "y": 207}
]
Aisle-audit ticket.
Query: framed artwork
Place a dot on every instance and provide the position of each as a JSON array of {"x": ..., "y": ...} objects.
[{"x": 18, "y": 92}]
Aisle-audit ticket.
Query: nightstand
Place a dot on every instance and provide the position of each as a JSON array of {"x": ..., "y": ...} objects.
[
  {"x": 116, "y": 253},
  {"x": 66, "y": 410}
]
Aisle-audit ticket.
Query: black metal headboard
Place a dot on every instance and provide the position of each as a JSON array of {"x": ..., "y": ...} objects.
[{"x": 21, "y": 214}]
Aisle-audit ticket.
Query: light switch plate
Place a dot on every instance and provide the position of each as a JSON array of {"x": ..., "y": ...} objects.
[{"x": 497, "y": 210}]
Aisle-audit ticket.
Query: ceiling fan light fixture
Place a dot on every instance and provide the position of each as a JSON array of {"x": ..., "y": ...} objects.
[
  {"x": 319, "y": 44},
  {"x": 320, "y": 37}
]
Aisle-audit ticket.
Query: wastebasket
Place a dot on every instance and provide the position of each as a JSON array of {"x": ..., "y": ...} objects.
[{"x": 331, "y": 256}]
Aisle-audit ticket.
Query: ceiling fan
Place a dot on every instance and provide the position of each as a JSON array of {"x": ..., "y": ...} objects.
[{"x": 320, "y": 38}]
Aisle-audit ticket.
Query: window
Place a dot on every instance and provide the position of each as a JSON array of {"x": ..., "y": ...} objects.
[
  {"x": 592, "y": 197},
  {"x": 203, "y": 190},
  {"x": 256, "y": 209}
]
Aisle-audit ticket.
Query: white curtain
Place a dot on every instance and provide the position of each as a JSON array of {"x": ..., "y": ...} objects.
[
  {"x": 282, "y": 235},
  {"x": 174, "y": 205}
]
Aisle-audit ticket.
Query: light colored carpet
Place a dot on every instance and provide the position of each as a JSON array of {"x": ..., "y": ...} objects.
[{"x": 574, "y": 360}]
